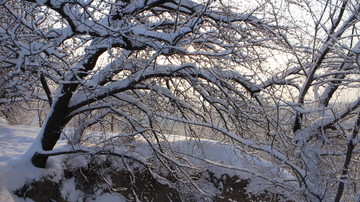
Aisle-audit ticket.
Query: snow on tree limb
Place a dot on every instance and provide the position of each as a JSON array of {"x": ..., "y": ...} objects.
[{"x": 277, "y": 83}]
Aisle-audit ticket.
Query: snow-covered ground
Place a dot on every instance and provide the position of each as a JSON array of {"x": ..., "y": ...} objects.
[
  {"x": 15, "y": 165},
  {"x": 14, "y": 169},
  {"x": 14, "y": 141},
  {"x": 219, "y": 158}
]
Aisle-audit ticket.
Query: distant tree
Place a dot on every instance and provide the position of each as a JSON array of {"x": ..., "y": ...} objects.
[
  {"x": 20, "y": 86},
  {"x": 316, "y": 95}
]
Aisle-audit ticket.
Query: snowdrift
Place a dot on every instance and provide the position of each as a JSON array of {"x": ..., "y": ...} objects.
[{"x": 203, "y": 168}]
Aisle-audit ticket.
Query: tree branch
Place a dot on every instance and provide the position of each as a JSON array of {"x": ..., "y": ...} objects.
[
  {"x": 46, "y": 88},
  {"x": 350, "y": 147}
]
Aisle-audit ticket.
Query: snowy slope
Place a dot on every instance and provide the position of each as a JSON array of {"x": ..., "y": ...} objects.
[
  {"x": 218, "y": 158},
  {"x": 14, "y": 141},
  {"x": 15, "y": 166}
]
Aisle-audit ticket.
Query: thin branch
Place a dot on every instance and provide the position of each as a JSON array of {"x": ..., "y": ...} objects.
[
  {"x": 350, "y": 147},
  {"x": 46, "y": 88}
]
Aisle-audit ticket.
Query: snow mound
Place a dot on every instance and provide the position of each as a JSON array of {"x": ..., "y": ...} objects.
[{"x": 195, "y": 154}]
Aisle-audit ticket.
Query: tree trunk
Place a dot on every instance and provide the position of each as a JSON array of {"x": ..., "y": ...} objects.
[{"x": 56, "y": 121}]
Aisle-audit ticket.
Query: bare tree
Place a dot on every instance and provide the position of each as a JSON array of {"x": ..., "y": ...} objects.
[
  {"x": 19, "y": 85},
  {"x": 141, "y": 61},
  {"x": 316, "y": 88},
  {"x": 268, "y": 78}
]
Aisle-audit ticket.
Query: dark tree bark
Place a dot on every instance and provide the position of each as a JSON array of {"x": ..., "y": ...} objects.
[
  {"x": 52, "y": 129},
  {"x": 349, "y": 153}
]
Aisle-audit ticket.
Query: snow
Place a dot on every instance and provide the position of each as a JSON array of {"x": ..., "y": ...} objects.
[
  {"x": 108, "y": 197},
  {"x": 15, "y": 165},
  {"x": 14, "y": 141},
  {"x": 16, "y": 168},
  {"x": 40, "y": 2},
  {"x": 219, "y": 158},
  {"x": 223, "y": 158}
]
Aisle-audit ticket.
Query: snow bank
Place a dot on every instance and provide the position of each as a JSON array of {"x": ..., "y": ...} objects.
[
  {"x": 221, "y": 158},
  {"x": 15, "y": 166},
  {"x": 14, "y": 141},
  {"x": 216, "y": 157}
]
